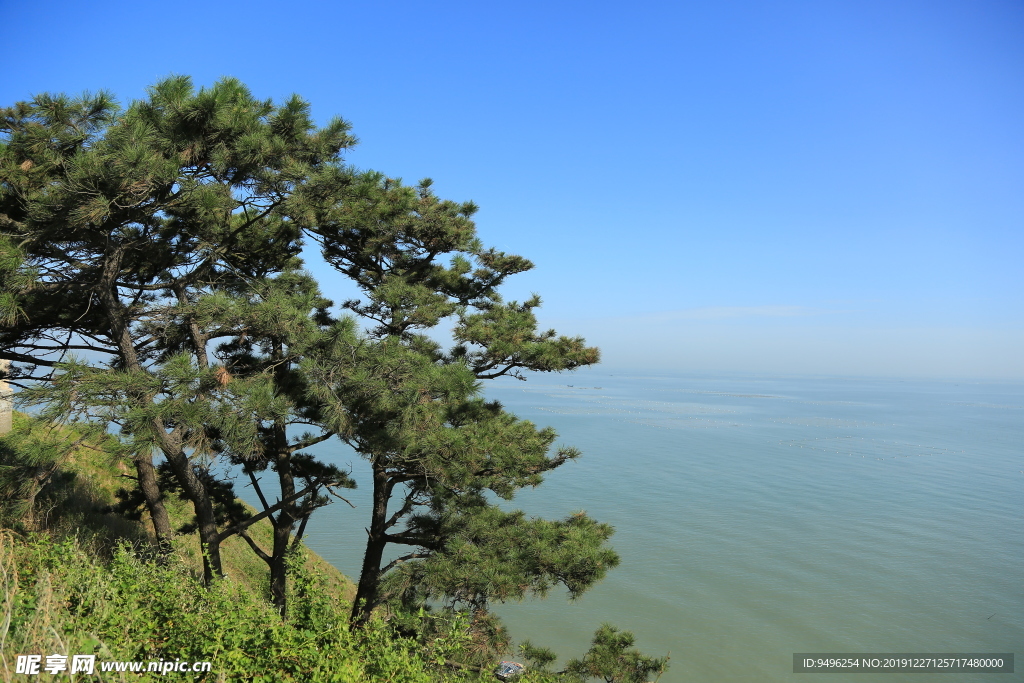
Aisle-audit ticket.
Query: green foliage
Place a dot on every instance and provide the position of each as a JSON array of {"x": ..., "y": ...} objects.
[
  {"x": 57, "y": 598},
  {"x": 13, "y": 277},
  {"x": 164, "y": 240},
  {"x": 145, "y": 237},
  {"x": 32, "y": 457},
  {"x": 489, "y": 554},
  {"x": 540, "y": 658},
  {"x": 228, "y": 509},
  {"x": 613, "y": 659}
]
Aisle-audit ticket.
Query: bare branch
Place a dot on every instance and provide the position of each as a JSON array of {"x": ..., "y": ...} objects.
[
  {"x": 255, "y": 548},
  {"x": 403, "y": 558},
  {"x": 22, "y": 358},
  {"x": 245, "y": 524},
  {"x": 259, "y": 491}
]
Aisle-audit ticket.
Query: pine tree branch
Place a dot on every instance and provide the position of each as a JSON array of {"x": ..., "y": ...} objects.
[
  {"x": 22, "y": 358},
  {"x": 513, "y": 368},
  {"x": 404, "y": 558},
  {"x": 66, "y": 347},
  {"x": 301, "y": 530},
  {"x": 330, "y": 490},
  {"x": 245, "y": 524},
  {"x": 259, "y": 491},
  {"x": 255, "y": 548},
  {"x": 310, "y": 442},
  {"x": 406, "y": 539},
  {"x": 406, "y": 508}
]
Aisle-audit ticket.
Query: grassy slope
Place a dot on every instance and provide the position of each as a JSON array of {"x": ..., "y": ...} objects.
[
  {"x": 86, "y": 483},
  {"x": 69, "y": 586},
  {"x": 57, "y": 597}
]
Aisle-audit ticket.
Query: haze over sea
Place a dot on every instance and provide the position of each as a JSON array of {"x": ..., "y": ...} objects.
[{"x": 761, "y": 516}]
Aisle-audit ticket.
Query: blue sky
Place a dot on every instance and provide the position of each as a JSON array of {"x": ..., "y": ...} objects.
[{"x": 801, "y": 187}]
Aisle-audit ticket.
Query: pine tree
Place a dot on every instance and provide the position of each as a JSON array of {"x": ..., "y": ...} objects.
[
  {"x": 161, "y": 245},
  {"x": 117, "y": 227},
  {"x": 437, "y": 449},
  {"x": 280, "y": 321},
  {"x": 56, "y": 283},
  {"x": 613, "y": 659}
]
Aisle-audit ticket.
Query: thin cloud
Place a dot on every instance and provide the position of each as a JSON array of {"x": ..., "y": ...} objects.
[
  {"x": 725, "y": 313},
  {"x": 720, "y": 312}
]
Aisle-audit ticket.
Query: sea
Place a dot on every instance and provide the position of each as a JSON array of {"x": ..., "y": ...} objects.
[{"x": 762, "y": 516}]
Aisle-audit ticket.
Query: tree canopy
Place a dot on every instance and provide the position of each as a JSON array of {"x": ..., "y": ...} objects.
[
  {"x": 151, "y": 286},
  {"x": 132, "y": 238},
  {"x": 613, "y": 659}
]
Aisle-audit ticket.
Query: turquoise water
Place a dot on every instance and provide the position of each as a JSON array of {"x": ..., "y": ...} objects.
[{"x": 758, "y": 517}]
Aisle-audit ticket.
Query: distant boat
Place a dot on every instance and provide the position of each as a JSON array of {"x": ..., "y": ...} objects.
[{"x": 509, "y": 670}]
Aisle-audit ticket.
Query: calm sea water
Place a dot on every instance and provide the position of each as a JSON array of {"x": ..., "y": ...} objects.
[{"x": 758, "y": 517}]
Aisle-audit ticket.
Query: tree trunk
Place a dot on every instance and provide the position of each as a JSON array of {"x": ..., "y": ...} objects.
[
  {"x": 209, "y": 536},
  {"x": 154, "y": 503},
  {"x": 369, "y": 577},
  {"x": 279, "y": 567},
  {"x": 284, "y": 523},
  {"x": 121, "y": 336}
]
